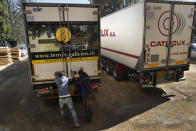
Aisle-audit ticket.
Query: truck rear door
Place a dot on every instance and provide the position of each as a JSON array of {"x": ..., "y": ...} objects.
[
  {"x": 157, "y": 25},
  {"x": 181, "y": 35},
  {"x": 48, "y": 53},
  {"x": 84, "y": 47},
  {"x": 42, "y": 21},
  {"x": 168, "y": 34}
]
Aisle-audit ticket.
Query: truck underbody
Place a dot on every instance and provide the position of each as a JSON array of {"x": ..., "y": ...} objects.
[
  {"x": 146, "y": 78},
  {"x": 152, "y": 41},
  {"x": 62, "y": 37}
]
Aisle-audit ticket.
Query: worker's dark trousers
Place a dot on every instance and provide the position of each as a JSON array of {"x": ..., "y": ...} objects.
[{"x": 87, "y": 107}]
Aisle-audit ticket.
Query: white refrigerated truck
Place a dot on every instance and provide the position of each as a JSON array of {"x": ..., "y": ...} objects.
[
  {"x": 149, "y": 41},
  {"x": 61, "y": 37}
]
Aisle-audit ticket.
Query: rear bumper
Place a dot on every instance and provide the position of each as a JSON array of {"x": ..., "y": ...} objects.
[
  {"x": 160, "y": 83},
  {"x": 50, "y": 90},
  {"x": 162, "y": 76}
]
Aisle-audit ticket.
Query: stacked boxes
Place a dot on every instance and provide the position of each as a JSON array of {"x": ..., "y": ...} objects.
[
  {"x": 5, "y": 56},
  {"x": 15, "y": 54}
]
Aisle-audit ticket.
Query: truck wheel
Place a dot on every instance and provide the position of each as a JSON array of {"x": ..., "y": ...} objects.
[
  {"x": 108, "y": 69},
  {"x": 130, "y": 75},
  {"x": 102, "y": 65},
  {"x": 116, "y": 75}
]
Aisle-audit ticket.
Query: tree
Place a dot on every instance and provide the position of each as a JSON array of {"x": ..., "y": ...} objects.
[
  {"x": 109, "y": 6},
  {"x": 5, "y": 28},
  {"x": 16, "y": 19}
]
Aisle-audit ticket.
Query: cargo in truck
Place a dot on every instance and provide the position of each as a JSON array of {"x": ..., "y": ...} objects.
[
  {"x": 61, "y": 37},
  {"x": 149, "y": 41}
]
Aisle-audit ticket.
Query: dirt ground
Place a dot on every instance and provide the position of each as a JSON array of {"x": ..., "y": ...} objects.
[
  {"x": 116, "y": 106},
  {"x": 178, "y": 113}
]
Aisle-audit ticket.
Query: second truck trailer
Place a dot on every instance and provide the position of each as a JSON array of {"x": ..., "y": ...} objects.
[{"x": 149, "y": 41}]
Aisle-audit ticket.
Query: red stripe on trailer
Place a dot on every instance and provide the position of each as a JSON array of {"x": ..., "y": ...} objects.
[{"x": 122, "y": 53}]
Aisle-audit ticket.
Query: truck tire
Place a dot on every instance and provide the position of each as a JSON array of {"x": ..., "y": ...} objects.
[
  {"x": 102, "y": 65},
  {"x": 108, "y": 68},
  {"x": 119, "y": 75},
  {"x": 116, "y": 75}
]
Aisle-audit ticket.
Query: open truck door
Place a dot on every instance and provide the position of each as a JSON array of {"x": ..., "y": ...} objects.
[
  {"x": 61, "y": 37},
  {"x": 168, "y": 32},
  {"x": 181, "y": 34}
]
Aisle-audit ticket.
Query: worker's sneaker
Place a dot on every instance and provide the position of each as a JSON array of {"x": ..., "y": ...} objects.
[{"x": 77, "y": 125}]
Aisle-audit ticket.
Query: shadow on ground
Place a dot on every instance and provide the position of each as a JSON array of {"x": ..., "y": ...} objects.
[
  {"x": 115, "y": 102},
  {"x": 193, "y": 61},
  {"x": 123, "y": 100}
]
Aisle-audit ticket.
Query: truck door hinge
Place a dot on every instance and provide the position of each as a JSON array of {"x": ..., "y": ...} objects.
[
  {"x": 192, "y": 27},
  {"x": 97, "y": 71},
  {"x": 27, "y": 12},
  {"x": 189, "y": 44},
  {"x": 171, "y": 61},
  {"x": 145, "y": 64},
  {"x": 147, "y": 27},
  {"x": 187, "y": 59},
  {"x": 148, "y": 8},
  {"x": 146, "y": 46},
  {"x": 193, "y": 9},
  {"x": 31, "y": 46},
  {"x": 60, "y": 8},
  {"x": 35, "y": 76},
  {"x": 157, "y": 7},
  {"x": 66, "y": 8},
  {"x": 191, "y": 16},
  {"x": 96, "y": 13},
  {"x": 163, "y": 61}
]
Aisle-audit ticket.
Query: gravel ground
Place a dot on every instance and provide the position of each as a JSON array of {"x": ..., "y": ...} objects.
[
  {"x": 116, "y": 106},
  {"x": 177, "y": 114}
]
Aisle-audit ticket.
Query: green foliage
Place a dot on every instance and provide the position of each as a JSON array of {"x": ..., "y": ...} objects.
[
  {"x": 109, "y": 6},
  {"x": 5, "y": 27},
  {"x": 16, "y": 19}
]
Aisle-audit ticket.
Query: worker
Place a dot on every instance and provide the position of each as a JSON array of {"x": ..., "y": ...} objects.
[
  {"x": 65, "y": 97},
  {"x": 85, "y": 90}
]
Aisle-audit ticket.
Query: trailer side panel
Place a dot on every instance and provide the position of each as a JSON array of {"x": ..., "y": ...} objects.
[{"x": 122, "y": 35}]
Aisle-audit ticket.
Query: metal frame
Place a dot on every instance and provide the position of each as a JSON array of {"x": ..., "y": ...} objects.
[
  {"x": 99, "y": 39},
  {"x": 37, "y": 4},
  {"x": 170, "y": 33},
  {"x": 119, "y": 10},
  {"x": 27, "y": 42},
  {"x": 167, "y": 67},
  {"x": 171, "y": 2},
  {"x": 144, "y": 37},
  {"x": 176, "y": 2},
  {"x": 63, "y": 23},
  {"x": 193, "y": 30}
]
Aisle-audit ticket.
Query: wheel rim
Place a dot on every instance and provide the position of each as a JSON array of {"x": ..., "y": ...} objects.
[
  {"x": 114, "y": 73},
  {"x": 107, "y": 68},
  {"x": 102, "y": 65}
]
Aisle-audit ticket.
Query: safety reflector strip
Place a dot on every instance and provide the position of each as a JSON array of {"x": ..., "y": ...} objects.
[
  {"x": 153, "y": 65},
  {"x": 179, "y": 62},
  {"x": 64, "y": 60},
  {"x": 42, "y": 80}
]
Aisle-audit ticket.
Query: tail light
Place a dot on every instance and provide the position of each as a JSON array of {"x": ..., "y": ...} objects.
[
  {"x": 181, "y": 74},
  {"x": 145, "y": 80}
]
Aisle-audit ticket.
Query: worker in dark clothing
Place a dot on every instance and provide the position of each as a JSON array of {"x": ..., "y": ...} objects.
[{"x": 83, "y": 83}]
